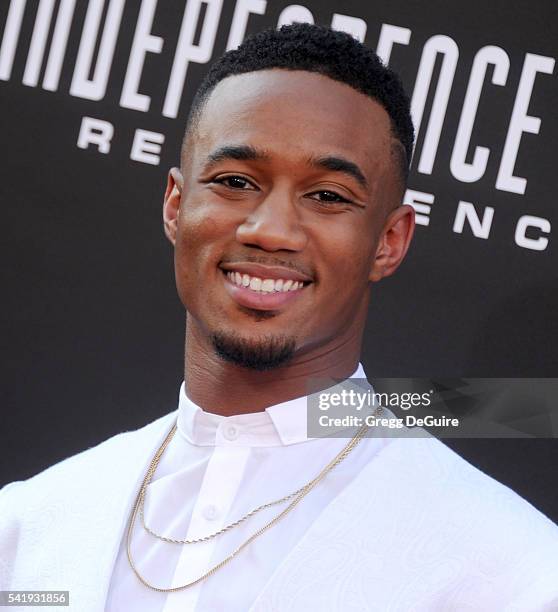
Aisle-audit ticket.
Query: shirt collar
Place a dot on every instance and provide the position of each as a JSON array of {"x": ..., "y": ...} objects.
[{"x": 277, "y": 425}]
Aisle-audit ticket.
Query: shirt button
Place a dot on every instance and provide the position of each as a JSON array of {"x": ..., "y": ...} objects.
[
  {"x": 210, "y": 512},
  {"x": 231, "y": 432}
]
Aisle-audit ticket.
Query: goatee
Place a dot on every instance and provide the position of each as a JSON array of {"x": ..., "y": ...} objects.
[{"x": 264, "y": 353}]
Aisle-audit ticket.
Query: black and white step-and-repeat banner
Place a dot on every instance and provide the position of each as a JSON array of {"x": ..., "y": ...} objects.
[{"x": 94, "y": 99}]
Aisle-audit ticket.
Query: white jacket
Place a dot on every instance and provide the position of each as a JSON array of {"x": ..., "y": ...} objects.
[{"x": 419, "y": 529}]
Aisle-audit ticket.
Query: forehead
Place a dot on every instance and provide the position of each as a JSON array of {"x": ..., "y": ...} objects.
[{"x": 295, "y": 115}]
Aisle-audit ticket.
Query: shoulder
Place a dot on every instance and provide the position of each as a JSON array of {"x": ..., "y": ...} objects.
[
  {"x": 57, "y": 480},
  {"x": 419, "y": 528},
  {"x": 443, "y": 533},
  {"x": 82, "y": 499},
  {"x": 432, "y": 477},
  {"x": 449, "y": 512}
]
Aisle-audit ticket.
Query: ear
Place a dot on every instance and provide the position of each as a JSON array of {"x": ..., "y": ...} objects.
[
  {"x": 171, "y": 203},
  {"x": 394, "y": 242}
]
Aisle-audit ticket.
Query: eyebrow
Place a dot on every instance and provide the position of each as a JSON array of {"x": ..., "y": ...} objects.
[
  {"x": 249, "y": 153},
  {"x": 238, "y": 152},
  {"x": 340, "y": 164}
]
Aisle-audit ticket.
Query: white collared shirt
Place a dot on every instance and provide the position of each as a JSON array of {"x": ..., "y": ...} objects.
[{"x": 215, "y": 470}]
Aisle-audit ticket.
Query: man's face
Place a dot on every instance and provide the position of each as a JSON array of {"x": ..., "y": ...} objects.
[{"x": 287, "y": 182}]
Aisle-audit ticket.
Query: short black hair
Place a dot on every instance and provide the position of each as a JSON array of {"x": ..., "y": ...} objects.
[{"x": 316, "y": 48}]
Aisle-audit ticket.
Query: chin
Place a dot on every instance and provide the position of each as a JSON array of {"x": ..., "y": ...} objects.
[{"x": 257, "y": 352}]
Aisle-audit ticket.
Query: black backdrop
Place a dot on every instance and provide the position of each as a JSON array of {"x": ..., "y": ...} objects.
[{"x": 92, "y": 328}]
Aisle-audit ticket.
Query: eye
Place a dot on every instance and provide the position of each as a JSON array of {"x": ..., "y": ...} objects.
[
  {"x": 234, "y": 182},
  {"x": 328, "y": 197}
]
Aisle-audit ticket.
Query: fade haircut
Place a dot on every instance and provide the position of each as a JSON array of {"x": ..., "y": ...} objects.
[{"x": 315, "y": 48}]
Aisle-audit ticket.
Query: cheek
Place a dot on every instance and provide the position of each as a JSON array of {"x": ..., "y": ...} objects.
[
  {"x": 198, "y": 233},
  {"x": 205, "y": 232},
  {"x": 194, "y": 250},
  {"x": 195, "y": 224},
  {"x": 346, "y": 262}
]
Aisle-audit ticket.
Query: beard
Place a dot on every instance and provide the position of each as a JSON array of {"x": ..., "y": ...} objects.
[{"x": 260, "y": 354}]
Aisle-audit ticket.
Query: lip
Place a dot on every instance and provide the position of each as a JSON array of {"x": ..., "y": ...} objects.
[
  {"x": 263, "y": 272},
  {"x": 244, "y": 296}
]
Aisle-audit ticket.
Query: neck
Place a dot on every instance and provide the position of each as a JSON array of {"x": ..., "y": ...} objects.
[{"x": 226, "y": 389}]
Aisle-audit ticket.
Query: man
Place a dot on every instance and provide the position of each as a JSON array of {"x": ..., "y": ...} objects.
[{"x": 286, "y": 208}]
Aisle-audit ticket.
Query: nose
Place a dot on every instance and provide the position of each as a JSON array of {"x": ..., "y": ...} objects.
[{"x": 274, "y": 225}]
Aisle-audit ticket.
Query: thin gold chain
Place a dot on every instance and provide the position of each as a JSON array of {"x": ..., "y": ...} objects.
[
  {"x": 224, "y": 529},
  {"x": 298, "y": 497}
]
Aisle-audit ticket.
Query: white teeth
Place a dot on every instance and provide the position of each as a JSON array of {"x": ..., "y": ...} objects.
[
  {"x": 265, "y": 285},
  {"x": 255, "y": 283},
  {"x": 268, "y": 285}
]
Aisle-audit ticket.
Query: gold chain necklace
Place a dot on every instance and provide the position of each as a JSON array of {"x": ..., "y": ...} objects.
[
  {"x": 296, "y": 496},
  {"x": 224, "y": 529}
]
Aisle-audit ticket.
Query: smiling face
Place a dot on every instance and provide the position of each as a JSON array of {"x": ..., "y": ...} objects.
[{"x": 284, "y": 215}]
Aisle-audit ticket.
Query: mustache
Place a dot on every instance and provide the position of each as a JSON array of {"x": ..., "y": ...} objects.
[{"x": 266, "y": 260}]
